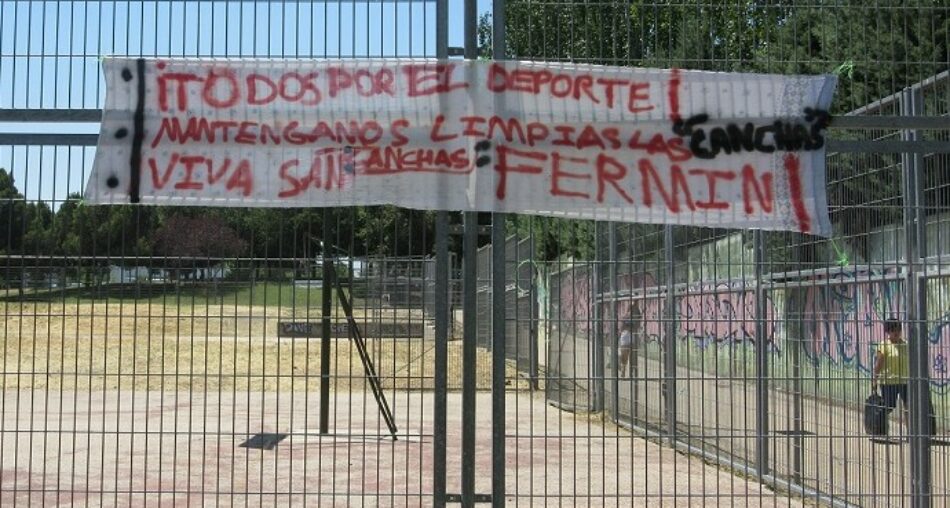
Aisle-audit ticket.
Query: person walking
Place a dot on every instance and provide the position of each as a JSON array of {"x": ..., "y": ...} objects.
[
  {"x": 625, "y": 344},
  {"x": 891, "y": 367},
  {"x": 629, "y": 332}
]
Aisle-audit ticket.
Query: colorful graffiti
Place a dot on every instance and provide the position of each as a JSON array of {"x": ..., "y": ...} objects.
[
  {"x": 844, "y": 318},
  {"x": 713, "y": 314},
  {"x": 842, "y": 315},
  {"x": 574, "y": 304},
  {"x": 940, "y": 351},
  {"x": 706, "y": 314}
]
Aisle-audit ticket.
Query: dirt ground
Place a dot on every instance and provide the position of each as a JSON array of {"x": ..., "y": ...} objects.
[{"x": 183, "y": 448}]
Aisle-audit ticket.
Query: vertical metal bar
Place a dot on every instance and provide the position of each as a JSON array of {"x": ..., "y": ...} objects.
[
  {"x": 798, "y": 409},
  {"x": 498, "y": 359},
  {"x": 597, "y": 358},
  {"x": 441, "y": 355},
  {"x": 498, "y": 298},
  {"x": 761, "y": 363},
  {"x": 469, "y": 331},
  {"x": 614, "y": 329},
  {"x": 919, "y": 382},
  {"x": 669, "y": 337},
  {"x": 439, "y": 406},
  {"x": 469, "y": 304},
  {"x": 325, "y": 328}
]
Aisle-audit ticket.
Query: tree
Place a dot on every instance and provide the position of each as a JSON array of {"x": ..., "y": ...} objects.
[
  {"x": 113, "y": 231},
  {"x": 38, "y": 238},
  {"x": 193, "y": 241},
  {"x": 65, "y": 231},
  {"x": 876, "y": 52},
  {"x": 12, "y": 214},
  {"x": 392, "y": 231}
]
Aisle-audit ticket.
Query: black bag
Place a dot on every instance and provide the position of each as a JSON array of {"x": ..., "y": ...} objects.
[{"x": 875, "y": 415}]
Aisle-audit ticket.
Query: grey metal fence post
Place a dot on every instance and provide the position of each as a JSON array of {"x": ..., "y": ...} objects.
[
  {"x": 440, "y": 404},
  {"x": 669, "y": 336},
  {"x": 597, "y": 358},
  {"x": 911, "y": 104},
  {"x": 798, "y": 409},
  {"x": 498, "y": 298},
  {"x": 498, "y": 358},
  {"x": 325, "y": 329},
  {"x": 441, "y": 357},
  {"x": 469, "y": 309},
  {"x": 761, "y": 364},
  {"x": 469, "y": 332},
  {"x": 615, "y": 306}
]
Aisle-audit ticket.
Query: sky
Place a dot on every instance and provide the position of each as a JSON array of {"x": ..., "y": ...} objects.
[{"x": 50, "y": 53}]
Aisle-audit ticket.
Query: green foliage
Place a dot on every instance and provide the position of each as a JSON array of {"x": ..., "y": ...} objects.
[
  {"x": 12, "y": 214},
  {"x": 877, "y": 51},
  {"x": 555, "y": 238},
  {"x": 484, "y": 37},
  {"x": 391, "y": 231}
]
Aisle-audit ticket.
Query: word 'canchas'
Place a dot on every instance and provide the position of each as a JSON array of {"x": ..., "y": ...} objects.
[{"x": 707, "y": 142}]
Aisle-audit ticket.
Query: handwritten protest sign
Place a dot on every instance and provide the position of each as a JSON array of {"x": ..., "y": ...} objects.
[{"x": 610, "y": 143}]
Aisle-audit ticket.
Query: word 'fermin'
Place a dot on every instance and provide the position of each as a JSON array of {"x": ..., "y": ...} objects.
[
  {"x": 636, "y": 145},
  {"x": 594, "y": 178}
]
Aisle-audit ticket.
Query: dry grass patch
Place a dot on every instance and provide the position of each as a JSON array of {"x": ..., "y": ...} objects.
[{"x": 154, "y": 346}]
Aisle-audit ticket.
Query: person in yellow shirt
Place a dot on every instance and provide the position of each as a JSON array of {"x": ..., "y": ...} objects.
[{"x": 891, "y": 366}]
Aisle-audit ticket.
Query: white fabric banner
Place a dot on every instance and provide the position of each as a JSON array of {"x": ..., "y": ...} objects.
[{"x": 609, "y": 143}]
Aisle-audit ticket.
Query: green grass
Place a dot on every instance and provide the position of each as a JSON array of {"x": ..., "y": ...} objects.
[
  {"x": 238, "y": 294},
  {"x": 223, "y": 294}
]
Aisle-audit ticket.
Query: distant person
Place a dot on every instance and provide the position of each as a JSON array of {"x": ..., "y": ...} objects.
[
  {"x": 627, "y": 336},
  {"x": 891, "y": 367},
  {"x": 625, "y": 345}
]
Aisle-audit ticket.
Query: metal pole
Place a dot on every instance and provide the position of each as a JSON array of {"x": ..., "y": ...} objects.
[
  {"x": 498, "y": 298},
  {"x": 914, "y": 301},
  {"x": 469, "y": 332},
  {"x": 761, "y": 364},
  {"x": 614, "y": 331},
  {"x": 669, "y": 337},
  {"x": 597, "y": 358},
  {"x": 440, "y": 404},
  {"x": 798, "y": 406},
  {"x": 469, "y": 304},
  {"x": 325, "y": 328},
  {"x": 498, "y": 359},
  {"x": 441, "y": 356}
]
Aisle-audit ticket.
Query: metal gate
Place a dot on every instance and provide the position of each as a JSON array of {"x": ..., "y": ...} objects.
[
  {"x": 326, "y": 357},
  {"x": 200, "y": 356}
]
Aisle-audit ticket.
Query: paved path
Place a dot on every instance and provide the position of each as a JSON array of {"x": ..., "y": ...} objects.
[
  {"x": 183, "y": 449},
  {"x": 832, "y": 453}
]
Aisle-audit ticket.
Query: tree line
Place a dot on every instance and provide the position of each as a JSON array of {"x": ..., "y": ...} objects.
[{"x": 77, "y": 229}]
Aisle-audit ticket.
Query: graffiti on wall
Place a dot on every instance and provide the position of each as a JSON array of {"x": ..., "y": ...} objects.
[
  {"x": 845, "y": 318},
  {"x": 707, "y": 314},
  {"x": 713, "y": 314},
  {"x": 842, "y": 318},
  {"x": 844, "y": 322},
  {"x": 573, "y": 307},
  {"x": 939, "y": 338}
]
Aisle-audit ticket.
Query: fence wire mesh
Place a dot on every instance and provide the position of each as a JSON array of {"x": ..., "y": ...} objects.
[{"x": 144, "y": 365}]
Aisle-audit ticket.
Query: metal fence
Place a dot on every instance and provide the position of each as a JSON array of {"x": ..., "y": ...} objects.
[
  {"x": 140, "y": 367},
  {"x": 521, "y": 327}
]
